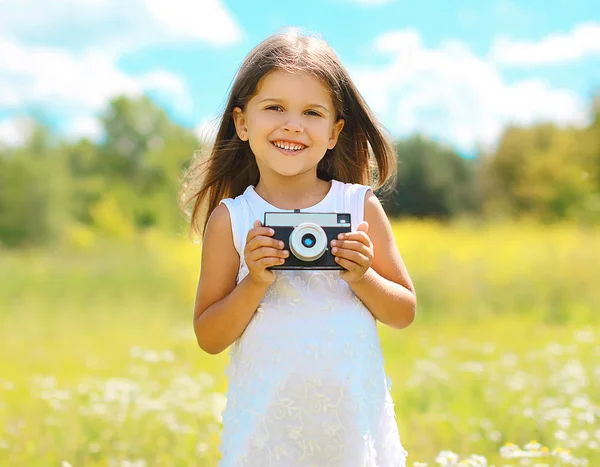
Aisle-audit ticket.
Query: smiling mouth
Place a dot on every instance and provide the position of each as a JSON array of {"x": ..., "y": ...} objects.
[{"x": 289, "y": 148}]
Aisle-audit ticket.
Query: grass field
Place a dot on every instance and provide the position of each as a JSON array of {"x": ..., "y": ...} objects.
[{"x": 99, "y": 365}]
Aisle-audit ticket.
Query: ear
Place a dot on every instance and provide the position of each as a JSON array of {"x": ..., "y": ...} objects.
[
  {"x": 335, "y": 133},
  {"x": 239, "y": 120}
]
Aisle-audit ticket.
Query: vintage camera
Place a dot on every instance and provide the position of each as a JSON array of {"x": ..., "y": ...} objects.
[{"x": 307, "y": 236}]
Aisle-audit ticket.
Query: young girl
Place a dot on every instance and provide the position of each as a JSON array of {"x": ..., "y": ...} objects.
[{"x": 307, "y": 385}]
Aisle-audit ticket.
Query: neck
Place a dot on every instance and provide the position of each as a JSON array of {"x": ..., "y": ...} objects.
[{"x": 296, "y": 192}]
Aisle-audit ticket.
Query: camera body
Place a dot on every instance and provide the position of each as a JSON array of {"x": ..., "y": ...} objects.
[{"x": 307, "y": 236}]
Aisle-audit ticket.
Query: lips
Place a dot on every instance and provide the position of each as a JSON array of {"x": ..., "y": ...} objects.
[{"x": 288, "y": 147}]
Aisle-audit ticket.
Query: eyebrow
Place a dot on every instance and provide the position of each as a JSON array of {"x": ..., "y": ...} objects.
[{"x": 274, "y": 99}]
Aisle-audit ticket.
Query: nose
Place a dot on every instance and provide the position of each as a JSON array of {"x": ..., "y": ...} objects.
[{"x": 293, "y": 126}]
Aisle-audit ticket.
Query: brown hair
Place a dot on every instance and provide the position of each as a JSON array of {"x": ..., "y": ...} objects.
[{"x": 230, "y": 166}]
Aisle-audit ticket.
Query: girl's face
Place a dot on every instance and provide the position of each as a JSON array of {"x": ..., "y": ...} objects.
[{"x": 289, "y": 123}]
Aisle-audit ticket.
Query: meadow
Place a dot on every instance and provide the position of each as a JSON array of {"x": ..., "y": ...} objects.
[{"x": 99, "y": 364}]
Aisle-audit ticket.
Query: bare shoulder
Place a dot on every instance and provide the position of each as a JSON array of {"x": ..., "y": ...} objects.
[
  {"x": 219, "y": 219},
  {"x": 387, "y": 260},
  {"x": 220, "y": 261},
  {"x": 219, "y": 233}
]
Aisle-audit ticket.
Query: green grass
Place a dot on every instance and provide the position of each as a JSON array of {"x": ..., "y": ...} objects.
[{"x": 100, "y": 367}]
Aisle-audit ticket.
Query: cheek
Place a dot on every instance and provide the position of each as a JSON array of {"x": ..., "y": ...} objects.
[
  {"x": 320, "y": 130},
  {"x": 265, "y": 121}
]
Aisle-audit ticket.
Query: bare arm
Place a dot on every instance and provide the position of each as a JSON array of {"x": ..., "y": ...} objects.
[
  {"x": 389, "y": 302},
  {"x": 223, "y": 310},
  {"x": 385, "y": 288}
]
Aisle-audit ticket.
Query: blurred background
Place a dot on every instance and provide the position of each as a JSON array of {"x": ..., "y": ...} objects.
[{"x": 494, "y": 109}]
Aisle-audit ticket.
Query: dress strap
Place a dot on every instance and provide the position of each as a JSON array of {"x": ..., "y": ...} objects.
[
  {"x": 239, "y": 223},
  {"x": 354, "y": 202}
]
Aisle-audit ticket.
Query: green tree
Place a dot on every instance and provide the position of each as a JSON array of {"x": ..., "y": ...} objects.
[
  {"x": 88, "y": 183},
  {"x": 143, "y": 153},
  {"x": 33, "y": 192},
  {"x": 541, "y": 171},
  {"x": 433, "y": 180}
]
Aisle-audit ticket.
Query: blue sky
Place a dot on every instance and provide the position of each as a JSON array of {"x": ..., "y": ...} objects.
[{"x": 457, "y": 71}]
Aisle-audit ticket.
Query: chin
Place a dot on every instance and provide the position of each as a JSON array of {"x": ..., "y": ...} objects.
[
  {"x": 289, "y": 171},
  {"x": 283, "y": 173}
]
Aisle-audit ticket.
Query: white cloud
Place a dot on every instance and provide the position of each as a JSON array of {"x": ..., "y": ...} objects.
[
  {"x": 15, "y": 131},
  {"x": 582, "y": 40},
  {"x": 63, "y": 80},
  {"x": 206, "y": 20},
  {"x": 171, "y": 85},
  {"x": 79, "y": 75},
  {"x": 119, "y": 26},
  {"x": 452, "y": 95},
  {"x": 84, "y": 126}
]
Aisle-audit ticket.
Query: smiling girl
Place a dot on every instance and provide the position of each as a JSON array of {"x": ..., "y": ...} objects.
[{"x": 307, "y": 384}]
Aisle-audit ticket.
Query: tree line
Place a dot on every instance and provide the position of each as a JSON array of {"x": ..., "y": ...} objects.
[{"x": 129, "y": 180}]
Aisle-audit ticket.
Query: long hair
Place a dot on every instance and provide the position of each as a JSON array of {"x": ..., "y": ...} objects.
[{"x": 363, "y": 153}]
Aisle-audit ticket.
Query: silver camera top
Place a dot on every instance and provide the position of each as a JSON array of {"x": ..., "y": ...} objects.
[{"x": 293, "y": 218}]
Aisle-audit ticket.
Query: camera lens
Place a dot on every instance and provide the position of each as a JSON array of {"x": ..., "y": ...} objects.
[{"x": 309, "y": 240}]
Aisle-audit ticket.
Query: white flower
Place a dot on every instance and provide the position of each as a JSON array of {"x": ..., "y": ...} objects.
[
  {"x": 476, "y": 461},
  {"x": 510, "y": 451},
  {"x": 201, "y": 448},
  {"x": 561, "y": 435},
  {"x": 447, "y": 459}
]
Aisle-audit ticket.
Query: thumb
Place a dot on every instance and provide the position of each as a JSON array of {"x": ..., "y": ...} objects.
[
  {"x": 257, "y": 223},
  {"x": 363, "y": 227}
]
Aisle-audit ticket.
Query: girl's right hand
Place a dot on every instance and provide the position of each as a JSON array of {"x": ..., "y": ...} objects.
[{"x": 261, "y": 252}]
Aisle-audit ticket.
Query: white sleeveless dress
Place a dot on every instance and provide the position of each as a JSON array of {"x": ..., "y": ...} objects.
[{"x": 307, "y": 385}]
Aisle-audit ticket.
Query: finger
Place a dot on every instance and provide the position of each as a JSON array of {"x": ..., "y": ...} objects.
[
  {"x": 255, "y": 226},
  {"x": 267, "y": 262},
  {"x": 258, "y": 230},
  {"x": 266, "y": 252},
  {"x": 348, "y": 265},
  {"x": 352, "y": 245},
  {"x": 358, "y": 236},
  {"x": 262, "y": 241},
  {"x": 363, "y": 227},
  {"x": 353, "y": 256}
]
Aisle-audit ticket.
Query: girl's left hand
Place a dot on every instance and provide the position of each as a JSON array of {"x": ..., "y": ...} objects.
[{"x": 354, "y": 252}]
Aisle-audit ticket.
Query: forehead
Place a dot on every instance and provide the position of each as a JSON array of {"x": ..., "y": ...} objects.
[{"x": 295, "y": 87}]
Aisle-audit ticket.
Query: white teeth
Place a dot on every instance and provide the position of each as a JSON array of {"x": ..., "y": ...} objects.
[{"x": 288, "y": 147}]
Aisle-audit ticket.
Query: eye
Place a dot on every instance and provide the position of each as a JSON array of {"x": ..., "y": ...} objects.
[
  {"x": 273, "y": 107},
  {"x": 313, "y": 113}
]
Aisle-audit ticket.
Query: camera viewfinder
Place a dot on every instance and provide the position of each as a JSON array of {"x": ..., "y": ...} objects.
[{"x": 343, "y": 218}]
